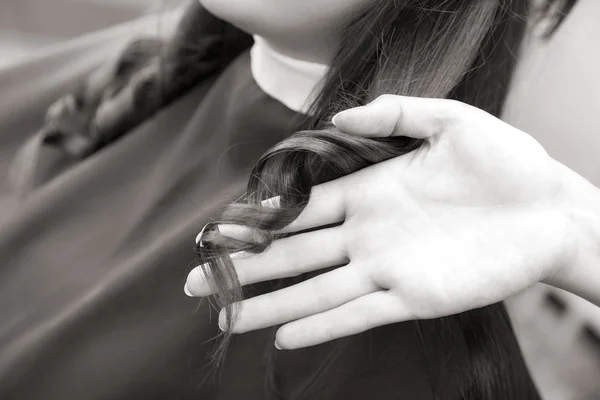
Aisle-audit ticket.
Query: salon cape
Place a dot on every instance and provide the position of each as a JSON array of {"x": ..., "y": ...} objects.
[{"x": 94, "y": 260}]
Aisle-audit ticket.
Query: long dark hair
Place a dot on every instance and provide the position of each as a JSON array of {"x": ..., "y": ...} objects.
[
  {"x": 438, "y": 48},
  {"x": 457, "y": 49}
]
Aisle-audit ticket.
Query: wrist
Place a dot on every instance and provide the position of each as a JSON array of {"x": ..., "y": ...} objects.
[{"x": 580, "y": 206}]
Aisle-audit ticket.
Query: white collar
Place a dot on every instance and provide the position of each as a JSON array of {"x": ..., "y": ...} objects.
[{"x": 293, "y": 82}]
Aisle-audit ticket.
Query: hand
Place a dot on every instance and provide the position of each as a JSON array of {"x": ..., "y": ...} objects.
[{"x": 475, "y": 215}]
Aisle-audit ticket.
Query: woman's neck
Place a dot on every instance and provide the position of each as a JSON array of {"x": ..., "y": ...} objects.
[
  {"x": 315, "y": 50},
  {"x": 293, "y": 82}
]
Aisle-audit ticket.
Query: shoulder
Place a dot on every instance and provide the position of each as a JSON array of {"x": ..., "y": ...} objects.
[{"x": 38, "y": 80}]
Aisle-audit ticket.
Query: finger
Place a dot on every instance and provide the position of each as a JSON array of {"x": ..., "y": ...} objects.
[
  {"x": 199, "y": 236},
  {"x": 325, "y": 206},
  {"x": 273, "y": 202},
  {"x": 285, "y": 258},
  {"x": 242, "y": 232},
  {"x": 361, "y": 314},
  {"x": 391, "y": 115},
  {"x": 239, "y": 232},
  {"x": 318, "y": 294}
]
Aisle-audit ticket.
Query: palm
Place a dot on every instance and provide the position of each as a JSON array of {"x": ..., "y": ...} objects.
[
  {"x": 472, "y": 217},
  {"x": 462, "y": 220}
]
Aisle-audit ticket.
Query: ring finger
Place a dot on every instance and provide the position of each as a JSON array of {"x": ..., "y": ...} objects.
[{"x": 313, "y": 296}]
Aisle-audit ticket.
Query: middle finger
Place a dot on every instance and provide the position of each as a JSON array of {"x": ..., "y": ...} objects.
[
  {"x": 288, "y": 257},
  {"x": 313, "y": 296}
]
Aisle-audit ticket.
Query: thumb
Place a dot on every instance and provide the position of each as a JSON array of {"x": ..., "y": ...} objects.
[{"x": 391, "y": 115}]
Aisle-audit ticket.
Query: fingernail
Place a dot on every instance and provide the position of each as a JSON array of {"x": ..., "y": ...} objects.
[
  {"x": 334, "y": 118},
  {"x": 221, "y": 322},
  {"x": 239, "y": 255},
  {"x": 273, "y": 202},
  {"x": 197, "y": 274},
  {"x": 199, "y": 236},
  {"x": 198, "y": 280},
  {"x": 277, "y": 346},
  {"x": 337, "y": 116}
]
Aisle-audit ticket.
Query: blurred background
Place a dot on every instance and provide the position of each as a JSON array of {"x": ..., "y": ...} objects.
[
  {"x": 27, "y": 25},
  {"x": 556, "y": 97}
]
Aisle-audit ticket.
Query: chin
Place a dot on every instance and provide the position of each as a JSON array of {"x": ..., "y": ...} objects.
[{"x": 242, "y": 13}]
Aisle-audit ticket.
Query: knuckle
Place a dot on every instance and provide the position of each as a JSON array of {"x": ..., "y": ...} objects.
[
  {"x": 322, "y": 297},
  {"x": 322, "y": 301},
  {"x": 454, "y": 111},
  {"x": 386, "y": 98},
  {"x": 463, "y": 111},
  {"x": 292, "y": 266},
  {"x": 455, "y": 105},
  {"x": 386, "y": 115},
  {"x": 342, "y": 237},
  {"x": 455, "y": 116},
  {"x": 290, "y": 258},
  {"x": 351, "y": 238}
]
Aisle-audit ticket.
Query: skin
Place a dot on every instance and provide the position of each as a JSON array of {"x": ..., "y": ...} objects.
[
  {"x": 496, "y": 216},
  {"x": 308, "y": 30}
]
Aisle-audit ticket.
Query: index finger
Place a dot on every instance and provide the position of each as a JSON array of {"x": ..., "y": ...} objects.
[{"x": 326, "y": 206}]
